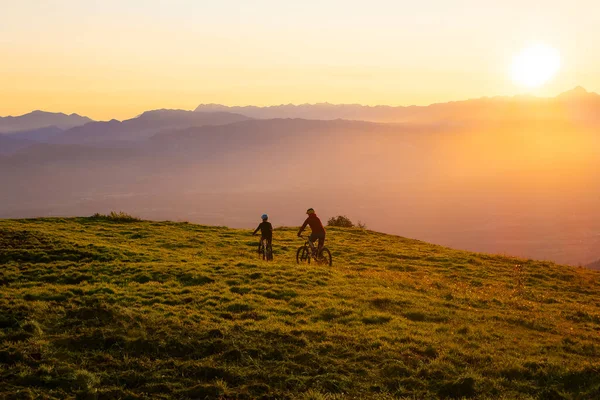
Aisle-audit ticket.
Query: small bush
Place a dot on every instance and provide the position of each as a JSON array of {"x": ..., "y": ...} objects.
[
  {"x": 341, "y": 221},
  {"x": 344, "y": 222},
  {"x": 116, "y": 217}
]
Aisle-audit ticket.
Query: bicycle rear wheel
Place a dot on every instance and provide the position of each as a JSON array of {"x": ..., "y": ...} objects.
[
  {"x": 303, "y": 255},
  {"x": 261, "y": 250},
  {"x": 269, "y": 253},
  {"x": 325, "y": 257}
]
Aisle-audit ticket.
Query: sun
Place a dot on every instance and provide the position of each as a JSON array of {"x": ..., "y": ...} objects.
[{"x": 535, "y": 65}]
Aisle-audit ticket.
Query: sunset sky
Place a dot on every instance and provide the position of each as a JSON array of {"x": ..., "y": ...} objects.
[{"x": 115, "y": 59}]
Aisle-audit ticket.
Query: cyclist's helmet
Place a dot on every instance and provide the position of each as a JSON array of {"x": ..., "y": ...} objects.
[
  {"x": 264, "y": 217},
  {"x": 310, "y": 211}
]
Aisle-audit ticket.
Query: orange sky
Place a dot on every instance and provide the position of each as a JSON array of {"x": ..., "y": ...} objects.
[{"x": 113, "y": 60}]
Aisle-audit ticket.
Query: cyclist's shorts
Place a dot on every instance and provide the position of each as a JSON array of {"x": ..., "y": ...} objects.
[{"x": 316, "y": 236}]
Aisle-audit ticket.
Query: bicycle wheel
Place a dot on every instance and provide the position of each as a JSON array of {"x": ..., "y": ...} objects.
[
  {"x": 325, "y": 257},
  {"x": 303, "y": 255},
  {"x": 261, "y": 250},
  {"x": 269, "y": 253}
]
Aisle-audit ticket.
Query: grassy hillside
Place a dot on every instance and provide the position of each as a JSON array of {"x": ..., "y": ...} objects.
[{"x": 95, "y": 308}]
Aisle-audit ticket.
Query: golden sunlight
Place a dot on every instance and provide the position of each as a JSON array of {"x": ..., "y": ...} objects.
[{"x": 535, "y": 65}]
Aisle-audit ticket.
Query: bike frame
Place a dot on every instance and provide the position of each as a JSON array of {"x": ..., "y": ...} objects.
[
  {"x": 301, "y": 256},
  {"x": 267, "y": 252},
  {"x": 313, "y": 250}
]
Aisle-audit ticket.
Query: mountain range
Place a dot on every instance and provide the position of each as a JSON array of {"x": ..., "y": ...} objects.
[
  {"x": 578, "y": 104},
  {"x": 86, "y": 131},
  {"x": 144, "y": 126},
  {"x": 40, "y": 119},
  {"x": 9, "y": 145},
  {"x": 594, "y": 265}
]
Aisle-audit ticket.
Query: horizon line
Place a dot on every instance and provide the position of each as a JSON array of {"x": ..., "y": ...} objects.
[{"x": 577, "y": 88}]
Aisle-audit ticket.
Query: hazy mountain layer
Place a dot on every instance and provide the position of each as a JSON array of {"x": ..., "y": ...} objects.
[
  {"x": 575, "y": 105},
  {"x": 41, "y": 135},
  {"x": 144, "y": 126},
  {"x": 40, "y": 119},
  {"x": 594, "y": 265},
  {"x": 9, "y": 145}
]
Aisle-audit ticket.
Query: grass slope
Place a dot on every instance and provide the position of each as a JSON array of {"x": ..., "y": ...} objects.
[{"x": 95, "y": 308}]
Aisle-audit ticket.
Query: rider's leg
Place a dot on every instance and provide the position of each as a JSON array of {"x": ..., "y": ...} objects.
[
  {"x": 264, "y": 241},
  {"x": 321, "y": 243},
  {"x": 311, "y": 240}
]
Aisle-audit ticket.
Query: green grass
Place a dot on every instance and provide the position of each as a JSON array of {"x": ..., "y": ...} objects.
[{"x": 105, "y": 308}]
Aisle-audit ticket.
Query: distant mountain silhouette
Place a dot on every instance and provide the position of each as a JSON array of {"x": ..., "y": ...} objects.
[
  {"x": 40, "y": 119},
  {"x": 10, "y": 145},
  {"x": 43, "y": 135},
  {"x": 594, "y": 265},
  {"x": 285, "y": 136},
  {"x": 281, "y": 127},
  {"x": 577, "y": 93},
  {"x": 144, "y": 126},
  {"x": 38, "y": 155},
  {"x": 576, "y": 104}
]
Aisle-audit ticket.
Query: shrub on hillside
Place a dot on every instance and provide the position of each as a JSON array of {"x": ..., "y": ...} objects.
[
  {"x": 116, "y": 216},
  {"x": 341, "y": 221},
  {"x": 344, "y": 222}
]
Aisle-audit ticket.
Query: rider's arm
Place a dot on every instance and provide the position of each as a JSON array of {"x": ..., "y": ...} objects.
[
  {"x": 303, "y": 226},
  {"x": 256, "y": 230}
]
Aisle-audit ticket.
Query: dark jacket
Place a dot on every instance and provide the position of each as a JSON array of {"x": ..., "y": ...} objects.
[
  {"x": 265, "y": 228},
  {"x": 315, "y": 224}
]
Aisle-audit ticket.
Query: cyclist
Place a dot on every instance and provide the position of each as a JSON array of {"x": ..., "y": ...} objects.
[
  {"x": 266, "y": 230},
  {"x": 316, "y": 226}
]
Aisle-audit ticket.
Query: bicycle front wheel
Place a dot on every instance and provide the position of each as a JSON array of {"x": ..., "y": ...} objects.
[
  {"x": 303, "y": 255},
  {"x": 325, "y": 257}
]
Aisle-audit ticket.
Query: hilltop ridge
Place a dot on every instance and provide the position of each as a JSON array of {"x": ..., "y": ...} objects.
[
  {"x": 109, "y": 308},
  {"x": 40, "y": 119}
]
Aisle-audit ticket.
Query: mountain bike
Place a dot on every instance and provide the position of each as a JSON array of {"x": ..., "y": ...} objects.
[
  {"x": 265, "y": 250},
  {"x": 308, "y": 251}
]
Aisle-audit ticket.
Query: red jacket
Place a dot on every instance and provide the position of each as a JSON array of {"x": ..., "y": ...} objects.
[{"x": 315, "y": 224}]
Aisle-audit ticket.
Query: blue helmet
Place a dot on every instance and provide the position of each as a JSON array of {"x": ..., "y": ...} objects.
[{"x": 264, "y": 216}]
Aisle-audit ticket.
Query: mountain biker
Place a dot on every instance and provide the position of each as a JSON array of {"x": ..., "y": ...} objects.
[
  {"x": 266, "y": 230},
  {"x": 316, "y": 226}
]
